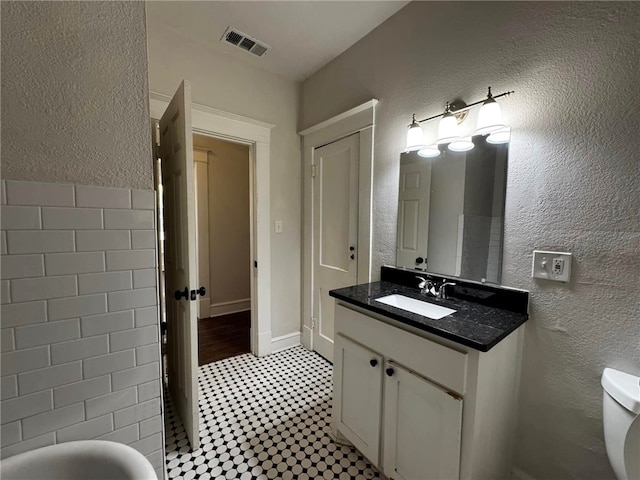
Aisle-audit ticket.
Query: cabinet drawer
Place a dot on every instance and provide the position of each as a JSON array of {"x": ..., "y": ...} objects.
[{"x": 440, "y": 364}]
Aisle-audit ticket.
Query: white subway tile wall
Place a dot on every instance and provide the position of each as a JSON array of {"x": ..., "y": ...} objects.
[
  {"x": 9, "y": 387},
  {"x": 5, "y": 293},
  {"x": 79, "y": 317}
]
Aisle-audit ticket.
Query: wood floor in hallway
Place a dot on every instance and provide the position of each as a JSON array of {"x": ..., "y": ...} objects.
[{"x": 223, "y": 337}]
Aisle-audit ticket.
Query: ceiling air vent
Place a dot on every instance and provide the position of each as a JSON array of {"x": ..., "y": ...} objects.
[{"x": 245, "y": 42}]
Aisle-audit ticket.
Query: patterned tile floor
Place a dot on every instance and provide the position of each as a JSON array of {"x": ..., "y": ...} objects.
[{"x": 264, "y": 418}]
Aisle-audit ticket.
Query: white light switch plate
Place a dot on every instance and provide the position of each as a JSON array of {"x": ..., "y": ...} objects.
[
  {"x": 278, "y": 226},
  {"x": 551, "y": 265}
]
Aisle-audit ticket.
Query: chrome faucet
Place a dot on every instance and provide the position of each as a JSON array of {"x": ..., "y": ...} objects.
[
  {"x": 442, "y": 290},
  {"x": 426, "y": 287}
]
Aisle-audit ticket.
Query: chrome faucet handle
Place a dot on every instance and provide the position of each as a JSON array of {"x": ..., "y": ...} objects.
[
  {"x": 442, "y": 290},
  {"x": 426, "y": 286}
]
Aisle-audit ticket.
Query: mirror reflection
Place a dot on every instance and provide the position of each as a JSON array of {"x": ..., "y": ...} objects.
[{"x": 451, "y": 211}]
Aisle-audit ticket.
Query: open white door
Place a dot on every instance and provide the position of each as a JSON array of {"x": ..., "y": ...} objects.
[
  {"x": 176, "y": 152},
  {"x": 413, "y": 212},
  {"x": 335, "y": 232}
]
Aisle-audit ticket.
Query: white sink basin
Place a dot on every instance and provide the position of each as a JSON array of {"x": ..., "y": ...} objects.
[{"x": 426, "y": 309}]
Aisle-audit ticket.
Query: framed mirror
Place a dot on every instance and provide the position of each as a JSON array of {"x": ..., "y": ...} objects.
[{"x": 451, "y": 211}]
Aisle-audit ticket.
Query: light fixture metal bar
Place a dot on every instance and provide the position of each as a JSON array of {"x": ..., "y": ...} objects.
[{"x": 464, "y": 109}]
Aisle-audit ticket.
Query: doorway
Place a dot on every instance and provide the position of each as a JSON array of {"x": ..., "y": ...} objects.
[
  {"x": 179, "y": 120},
  {"x": 222, "y": 172}
]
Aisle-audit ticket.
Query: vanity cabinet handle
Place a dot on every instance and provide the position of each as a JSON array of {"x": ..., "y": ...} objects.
[
  {"x": 389, "y": 371},
  {"x": 373, "y": 362}
]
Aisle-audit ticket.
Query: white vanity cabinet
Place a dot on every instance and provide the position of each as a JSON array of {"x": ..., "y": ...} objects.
[
  {"x": 422, "y": 427},
  {"x": 359, "y": 388},
  {"x": 420, "y": 407}
]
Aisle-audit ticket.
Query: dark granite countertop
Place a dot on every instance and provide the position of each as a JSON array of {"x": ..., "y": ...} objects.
[{"x": 477, "y": 326}]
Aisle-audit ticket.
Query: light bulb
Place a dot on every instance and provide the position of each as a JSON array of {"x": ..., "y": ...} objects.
[
  {"x": 461, "y": 145},
  {"x": 448, "y": 128},
  {"x": 415, "y": 137},
  {"x": 489, "y": 116},
  {"x": 429, "y": 152},
  {"x": 501, "y": 136}
]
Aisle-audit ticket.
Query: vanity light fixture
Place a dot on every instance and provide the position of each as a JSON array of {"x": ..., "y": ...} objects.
[
  {"x": 461, "y": 145},
  {"x": 448, "y": 127},
  {"x": 429, "y": 151},
  {"x": 415, "y": 136},
  {"x": 489, "y": 116},
  {"x": 489, "y": 123},
  {"x": 501, "y": 136}
]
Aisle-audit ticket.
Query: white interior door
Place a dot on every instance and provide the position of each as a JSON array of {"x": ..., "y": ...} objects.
[
  {"x": 335, "y": 232},
  {"x": 176, "y": 151},
  {"x": 413, "y": 213}
]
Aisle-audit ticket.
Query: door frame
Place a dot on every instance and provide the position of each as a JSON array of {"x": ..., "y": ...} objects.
[
  {"x": 360, "y": 119},
  {"x": 257, "y": 135}
]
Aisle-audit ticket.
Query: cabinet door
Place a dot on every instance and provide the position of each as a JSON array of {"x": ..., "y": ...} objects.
[
  {"x": 422, "y": 426},
  {"x": 357, "y": 396}
]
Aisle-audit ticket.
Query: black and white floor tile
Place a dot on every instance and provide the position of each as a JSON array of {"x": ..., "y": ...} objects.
[{"x": 264, "y": 418}]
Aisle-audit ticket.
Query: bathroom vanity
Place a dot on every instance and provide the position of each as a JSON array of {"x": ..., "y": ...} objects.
[{"x": 427, "y": 398}]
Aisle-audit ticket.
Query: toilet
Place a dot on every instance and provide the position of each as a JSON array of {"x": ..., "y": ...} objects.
[{"x": 621, "y": 419}]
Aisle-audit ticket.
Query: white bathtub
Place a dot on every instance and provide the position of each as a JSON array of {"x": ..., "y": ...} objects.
[{"x": 83, "y": 460}]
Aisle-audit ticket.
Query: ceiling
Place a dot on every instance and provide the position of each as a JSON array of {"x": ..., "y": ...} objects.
[{"x": 303, "y": 35}]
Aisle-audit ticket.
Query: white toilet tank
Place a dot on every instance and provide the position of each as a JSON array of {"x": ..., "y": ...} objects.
[{"x": 621, "y": 419}]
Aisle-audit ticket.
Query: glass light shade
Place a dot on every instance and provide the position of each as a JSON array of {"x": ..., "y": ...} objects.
[
  {"x": 489, "y": 117},
  {"x": 448, "y": 129},
  {"x": 501, "y": 136},
  {"x": 429, "y": 152},
  {"x": 415, "y": 138},
  {"x": 461, "y": 145}
]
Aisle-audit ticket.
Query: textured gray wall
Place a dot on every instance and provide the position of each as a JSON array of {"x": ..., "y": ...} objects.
[
  {"x": 75, "y": 93},
  {"x": 573, "y": 182}
]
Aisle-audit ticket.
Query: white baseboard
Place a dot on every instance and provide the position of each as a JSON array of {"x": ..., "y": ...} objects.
[
  {"x": 517, "y": 474},
  {"x": 285, "y": 341},
  {"x": 307, "y": 337},
  {"x": 226, "y": 308}
]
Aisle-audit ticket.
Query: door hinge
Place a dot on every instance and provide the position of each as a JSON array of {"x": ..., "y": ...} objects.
[
  {"x": 255, "y": 264},
  {"x": 313, "y": 323},
  {"x": 313, "y": 171}
]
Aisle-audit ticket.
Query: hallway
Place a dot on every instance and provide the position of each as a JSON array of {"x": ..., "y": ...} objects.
[{"x": 223, "y": 337}]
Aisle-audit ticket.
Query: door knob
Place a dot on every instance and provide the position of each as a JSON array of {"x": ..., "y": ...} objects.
[
  {"x": 179, "y": 294},
  {"x": 352, "y": 248},
  {"x": 373, "y": 362},
  {"x": 419, "y": 260},
  {"x": 202, "y": 291},
  {"x": 389, "y": 371}
]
